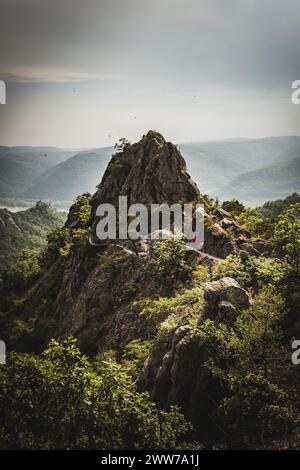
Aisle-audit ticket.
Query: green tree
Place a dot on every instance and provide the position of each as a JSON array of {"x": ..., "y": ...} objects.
[
  {"x": 23, "y": 273},
  {"x": 249, "y": 363},
  {"x": 287, "y": 236},
  {"x": 234, "y": 206},
  {"x": 171, "y": 258},
  {"x": 61, "y": 401}
]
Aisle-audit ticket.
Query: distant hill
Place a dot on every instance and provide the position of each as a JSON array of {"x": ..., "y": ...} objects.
[
  {"x": 270, "y": 182},
  {"x": 26, "y": 230},
  {"x": 272, "y": 209},
  {"x": 214, "y": 165},
  {"x": 80, "y": 173},
  {"x": 19, "y": 166},
  {"x": 222, "y": 169}
]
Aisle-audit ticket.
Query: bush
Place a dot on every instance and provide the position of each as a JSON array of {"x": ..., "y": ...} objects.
[
  {"x": 254, "y": 272},
  {"x": 287, "y": 236},
  {"x": 257, "y": 224},
  {"x": 82, "y": 209},
  {"x": 59, "y": 244},
  {"x": 201, "y": 274},
  {"x": 167, "y": 314},
  {"x": 171, "y": 258},
  {"x": 233, "y": 206},
  {"x": 109, "y": 262},
  {"x": 135, "y": 354},
  {"x": 24, "y": 272},
  {"x": 232, "y": 266}
]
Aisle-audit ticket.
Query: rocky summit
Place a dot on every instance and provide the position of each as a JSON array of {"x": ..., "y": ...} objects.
[{"x": 149, "y": 171}]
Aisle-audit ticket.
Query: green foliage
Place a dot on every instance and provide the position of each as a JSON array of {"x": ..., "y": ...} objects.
[
  {"x": 135, "y": 354},
  {"x": 59, "y": 243},
  {"x": 255, "y": 223},
  {"x": 201, "y": 274},
  {"x": 128, "y": 290},
  {"x": 261, "y": 221},
  {"x": 229, "y": 234},
  {"x": 58, "y": 401},
  {"x": 254, "y": 272},
  {"x": 24, "y": 272},
  {"x": 287, "y": 236},
  {"x": 272, "y": 209},
  {"x": 167, "y": 314},
  {"x": 26, "y": 230},
  {"x": 82, "y": 209},
  {"x": 265, "y": 271},
  {"x": 171, "y": 258},
  {"x": 109, "y": 262},
  {"x": 232, "y": 266},
  {"x": 249, "y": 362},
  {"x": 186, "y": 304},
  {"x": 233, "y": 206}
]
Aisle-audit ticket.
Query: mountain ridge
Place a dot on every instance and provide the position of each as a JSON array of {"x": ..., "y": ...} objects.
[{"x": 214, "y": 165}]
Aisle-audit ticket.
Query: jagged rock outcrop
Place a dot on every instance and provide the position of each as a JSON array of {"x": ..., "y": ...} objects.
[
  {"x": 174, "y": 374},
  {"x": 149, "y": 171}
]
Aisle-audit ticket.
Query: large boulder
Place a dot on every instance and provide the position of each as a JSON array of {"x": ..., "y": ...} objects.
[{"x": 224, "y": 299}]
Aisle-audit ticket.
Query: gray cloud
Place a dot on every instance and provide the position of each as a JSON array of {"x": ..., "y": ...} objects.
[
  {"x": 239, "y": 43},
  {"x": 195, "y": 69}
]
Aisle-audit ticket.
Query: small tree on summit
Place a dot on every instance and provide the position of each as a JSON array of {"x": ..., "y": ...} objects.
[{"x": 122, "y": 144}]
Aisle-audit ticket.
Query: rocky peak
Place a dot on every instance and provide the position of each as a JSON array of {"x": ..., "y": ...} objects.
[
  {"x": 42, "y": 206},
  {"x": 149, "y": 171}
]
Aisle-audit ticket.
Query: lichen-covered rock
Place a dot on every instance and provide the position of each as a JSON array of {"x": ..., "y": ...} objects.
[
  {"x": 177, "y": 376},
  {"x": 224, "y": 298}
]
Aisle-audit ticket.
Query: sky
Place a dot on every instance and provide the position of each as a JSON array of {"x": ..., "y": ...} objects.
[{"x": 85, "y": 73}]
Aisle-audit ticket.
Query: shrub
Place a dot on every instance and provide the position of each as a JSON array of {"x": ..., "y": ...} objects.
[
  {"x": 233, "y": 206},
  {"x": 23, "y": 273},
  {"x": 232, "y": 266},
  {"x": 167, "y": 314},
  {"x": 171, "y": 258},
  {"x": 134, "y": 355},
  {"x": 109, "y": 263},
  {"x": 82, "y": 210},
  {"x": 287, "y": 236},
  {"x": 201, "y": 274}
]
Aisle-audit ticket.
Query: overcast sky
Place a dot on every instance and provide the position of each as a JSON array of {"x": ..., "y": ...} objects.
[{"x": 84, "y": 73}]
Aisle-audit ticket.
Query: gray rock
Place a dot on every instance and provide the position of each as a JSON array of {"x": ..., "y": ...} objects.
[{"x": 224, "y": 296}]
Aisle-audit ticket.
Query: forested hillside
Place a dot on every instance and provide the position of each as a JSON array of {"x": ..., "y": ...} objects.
[{"x": 26, "y": 230}]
